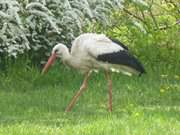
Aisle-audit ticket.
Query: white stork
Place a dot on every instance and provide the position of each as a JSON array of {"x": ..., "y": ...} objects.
[{"x": 92, "y": 51}]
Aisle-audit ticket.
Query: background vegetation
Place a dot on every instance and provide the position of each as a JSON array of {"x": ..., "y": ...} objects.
[
  {"x": 30, "y": 28},
  {"x": 34, "y": 104}
]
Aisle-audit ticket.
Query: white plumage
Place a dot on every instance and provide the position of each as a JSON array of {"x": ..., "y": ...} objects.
[
  {"x": 92, "y": 51},
  {"x": 85, "y": 50},
  {"x": 94, "y": 44}
]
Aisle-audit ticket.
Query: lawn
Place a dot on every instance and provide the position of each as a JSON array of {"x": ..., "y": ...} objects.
[{"x": 34, "y": 104}]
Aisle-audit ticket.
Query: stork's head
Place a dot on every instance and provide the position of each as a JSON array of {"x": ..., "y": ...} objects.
[{"x": 57, "y": 52}]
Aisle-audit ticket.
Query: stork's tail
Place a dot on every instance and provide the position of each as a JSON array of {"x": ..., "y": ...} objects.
[{"x": 136, "y": 64}]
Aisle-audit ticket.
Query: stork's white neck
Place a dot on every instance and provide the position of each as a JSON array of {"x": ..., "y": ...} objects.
[
  {"x": 67, "y": 58},
  {"x": 65, "y": 55}
]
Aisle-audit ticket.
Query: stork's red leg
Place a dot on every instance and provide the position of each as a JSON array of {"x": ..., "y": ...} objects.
[
  {"x": 109, "y": 90},
  {"x": 78, "y": 94}
]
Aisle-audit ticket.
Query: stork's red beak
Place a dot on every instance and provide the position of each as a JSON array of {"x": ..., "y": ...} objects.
[{"x": 51, "y": 60}]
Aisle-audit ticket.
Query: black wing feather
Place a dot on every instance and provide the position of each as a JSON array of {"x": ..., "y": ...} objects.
[
  {"x": 119, "y": 43},
  {"x": 122, "y": 58}
]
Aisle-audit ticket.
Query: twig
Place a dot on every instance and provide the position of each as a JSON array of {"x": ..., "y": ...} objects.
[
  {"x": 137, "y": 17},
  {"x": 154, "y": 19}
]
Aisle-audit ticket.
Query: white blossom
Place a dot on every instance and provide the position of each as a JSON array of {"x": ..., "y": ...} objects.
[{"x": 39, "y": 24}]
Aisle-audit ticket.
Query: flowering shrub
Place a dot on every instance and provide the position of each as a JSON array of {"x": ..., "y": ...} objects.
[{"x": 32, "y": 26}]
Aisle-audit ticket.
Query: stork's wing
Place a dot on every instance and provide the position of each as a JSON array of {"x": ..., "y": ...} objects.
[
  {"x": 93, "y": 44},
  {"x": 122, "y": 58},
  {"x": 112, "y": 53},
  {"x": 100, "y": 47},
  {"x": 119, "y": 43}
]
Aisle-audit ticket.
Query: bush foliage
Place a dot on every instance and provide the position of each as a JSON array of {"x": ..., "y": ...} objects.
[
  {"x": 149, "y": 28},
  {"x": 31, "y": 27}
]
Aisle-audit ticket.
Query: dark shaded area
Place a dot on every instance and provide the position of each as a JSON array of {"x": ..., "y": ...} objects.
[{"x": 122, "y": 58}]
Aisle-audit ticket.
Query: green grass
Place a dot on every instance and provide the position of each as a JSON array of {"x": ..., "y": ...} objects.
[{"x": 32, "y": 104}]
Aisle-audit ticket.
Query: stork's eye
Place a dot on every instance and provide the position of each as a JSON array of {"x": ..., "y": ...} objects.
[{"x": 56, "y": 51}]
